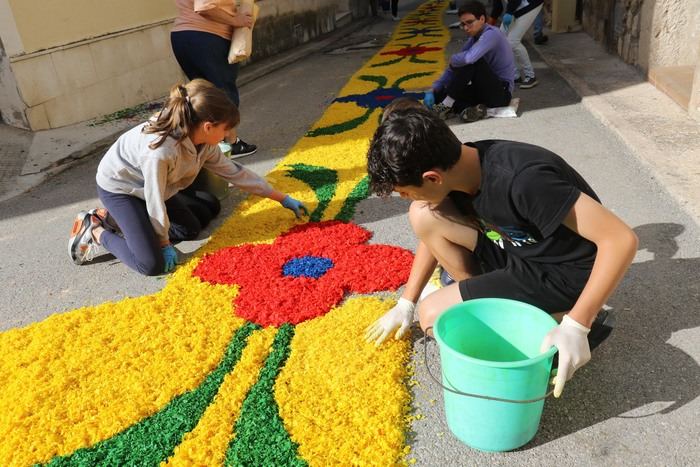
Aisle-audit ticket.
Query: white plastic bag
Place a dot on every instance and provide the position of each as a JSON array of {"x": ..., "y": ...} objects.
[
  {"x": 509, "y": 111},
  {"x": 242, "y": 40}
]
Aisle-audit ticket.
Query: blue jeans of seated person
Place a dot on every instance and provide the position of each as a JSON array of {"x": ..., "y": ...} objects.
[
  {"x": 475, "y": 84},
  {"x": 205, "y": 55}
]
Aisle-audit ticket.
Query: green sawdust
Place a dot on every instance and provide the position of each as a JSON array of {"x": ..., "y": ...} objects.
[
  {"x": 322, "y": 180},
  {"x": 260, "y": 436}
]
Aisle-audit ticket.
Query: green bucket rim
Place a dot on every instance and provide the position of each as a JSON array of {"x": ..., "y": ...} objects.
[{"x": 520, "y": 363}]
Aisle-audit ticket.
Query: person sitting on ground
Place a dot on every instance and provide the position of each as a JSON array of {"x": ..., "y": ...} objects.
[
  {"x": 506, "y": 220},
  {"x": 517, "y": 19},
  {"x": 140, "y": 178},
  {"x": 479, "y": 76}
]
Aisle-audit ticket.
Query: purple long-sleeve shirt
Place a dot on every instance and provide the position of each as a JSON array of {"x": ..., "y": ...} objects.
[{"x": 493, "y": 47}]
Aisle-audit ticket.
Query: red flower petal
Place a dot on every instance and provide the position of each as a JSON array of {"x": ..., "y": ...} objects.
[{"x": 269, "y": 298}]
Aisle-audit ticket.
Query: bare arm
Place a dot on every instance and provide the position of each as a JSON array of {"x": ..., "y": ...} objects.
[
  {"x": 423, "y": 266},
  {"x": 617, "y": 245},
  {"x": 221, "y": 16}
]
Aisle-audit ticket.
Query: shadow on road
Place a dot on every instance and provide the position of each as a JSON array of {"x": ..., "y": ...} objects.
[{"x": 644, "y": 368}]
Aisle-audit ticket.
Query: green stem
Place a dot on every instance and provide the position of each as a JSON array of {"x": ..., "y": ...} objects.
[{"x": 261, "y": 438}]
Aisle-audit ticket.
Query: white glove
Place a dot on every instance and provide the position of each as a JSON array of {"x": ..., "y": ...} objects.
[
  {"x": 570, "y": 338},
  {"x": 401, "y": 316}
]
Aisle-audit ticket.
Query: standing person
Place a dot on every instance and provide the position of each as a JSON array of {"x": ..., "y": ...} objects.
[
  {"x": 506, "y": 220},
  {"x": 538, "y": 34},
  {"x": 201, "y": 39},
  {"x": 480, "y": 75},
  {"x": 394, "y": 6},
  {"x": 140, "y": 178},
  {"x": 517, "y": 19}
]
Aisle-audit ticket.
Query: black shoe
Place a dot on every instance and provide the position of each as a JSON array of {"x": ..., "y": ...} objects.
[
  {"x": 473, "y": 114},
  {"x": 241, "y": 149},
  {"x": 600, "y": 330},
  {"x": 528, "y": 83},
  {"x": 518, "y": 80},
  {"x": 445, "y": 278},
  {"x": 541, "y": 39}
]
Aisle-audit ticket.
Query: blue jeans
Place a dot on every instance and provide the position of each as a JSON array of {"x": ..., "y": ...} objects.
[
  {"x": 188, "y": 211},
  {"x": 205, "y": 55},
  {"x": 538, "y": 24}
]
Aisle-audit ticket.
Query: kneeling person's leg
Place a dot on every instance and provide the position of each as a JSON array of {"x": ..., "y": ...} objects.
[
  {"x": 184, "y": 223},
  {"x": 137, "y": 247},
  {"x": 437, "y": 302},
  {"x": 445, "y": 231},
  {"x": 204, "y": 205}
]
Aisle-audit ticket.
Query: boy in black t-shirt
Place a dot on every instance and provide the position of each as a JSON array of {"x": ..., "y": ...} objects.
[{"x": 505, "y": 219}]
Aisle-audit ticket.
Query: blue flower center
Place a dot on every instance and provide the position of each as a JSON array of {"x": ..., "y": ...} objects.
[{"x": 307, "y": 266}]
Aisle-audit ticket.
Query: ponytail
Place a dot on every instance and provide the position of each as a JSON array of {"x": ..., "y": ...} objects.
[{"x": 187, "y": 107}]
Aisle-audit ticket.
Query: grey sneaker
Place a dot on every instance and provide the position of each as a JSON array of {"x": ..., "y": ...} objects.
[
  {"x": 81, "y": 246},
  {"x": 528, "y": 83},
  {"x": 473, "y": 114},
  {"x": 442, "y": 111}
]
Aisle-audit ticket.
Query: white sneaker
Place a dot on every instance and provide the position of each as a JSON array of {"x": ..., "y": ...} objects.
[
  {"x": 81, "y": 246},
  {"x": 429, "y": 288}
]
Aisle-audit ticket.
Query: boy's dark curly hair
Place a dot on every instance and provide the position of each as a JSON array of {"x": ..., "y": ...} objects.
[{"x": 408, "y": 143}]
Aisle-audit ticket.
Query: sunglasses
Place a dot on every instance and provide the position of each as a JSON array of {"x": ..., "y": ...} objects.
[{"x": 468, "y": 23}]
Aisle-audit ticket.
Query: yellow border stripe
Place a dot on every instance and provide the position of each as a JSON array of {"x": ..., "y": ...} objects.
[{"x": 344, "y": 400}]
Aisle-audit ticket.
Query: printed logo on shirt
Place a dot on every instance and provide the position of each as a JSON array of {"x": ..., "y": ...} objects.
[{"x": 512, "y": 235}]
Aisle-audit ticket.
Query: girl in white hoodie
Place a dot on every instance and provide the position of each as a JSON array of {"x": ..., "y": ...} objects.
[{"x": 140, "y": 178}]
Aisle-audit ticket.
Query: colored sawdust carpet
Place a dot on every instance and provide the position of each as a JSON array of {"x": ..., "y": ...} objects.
[{"x": 253, "y": 352}]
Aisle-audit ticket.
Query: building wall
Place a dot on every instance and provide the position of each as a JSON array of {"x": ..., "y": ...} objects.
[
  {"x": 11, "y": 104},
  {"x": 78, "y": 68},
  {"x": 44, "y": 24},
  {"x": 646, "y": 33},
  {"x": 661, "y": 37},
  {"x": 66, "y": 85}
]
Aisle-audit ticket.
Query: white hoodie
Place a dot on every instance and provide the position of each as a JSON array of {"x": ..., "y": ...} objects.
[{"x": 130, "y": 167}]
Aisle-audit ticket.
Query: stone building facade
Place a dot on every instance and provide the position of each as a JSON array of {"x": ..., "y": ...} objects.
[{"x": 661, "y": 37}]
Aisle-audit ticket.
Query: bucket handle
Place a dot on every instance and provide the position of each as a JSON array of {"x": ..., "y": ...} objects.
[{"x": 478, "y": 396}]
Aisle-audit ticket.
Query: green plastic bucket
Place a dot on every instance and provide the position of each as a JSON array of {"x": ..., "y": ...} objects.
[{"x": 494, "y": 378}]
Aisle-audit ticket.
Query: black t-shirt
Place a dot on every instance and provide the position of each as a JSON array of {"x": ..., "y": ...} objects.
[{"x": 526, "y": 192}]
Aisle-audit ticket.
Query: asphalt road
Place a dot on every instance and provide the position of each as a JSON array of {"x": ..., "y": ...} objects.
[{"x": 635, "y": 403}]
